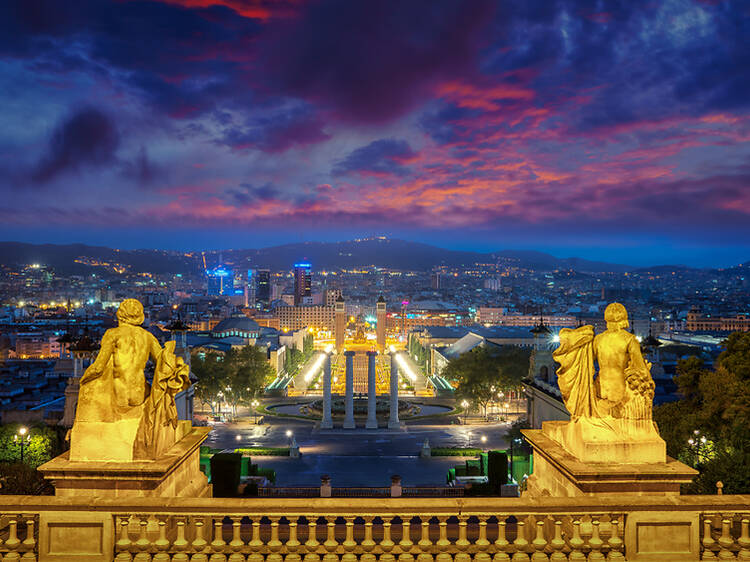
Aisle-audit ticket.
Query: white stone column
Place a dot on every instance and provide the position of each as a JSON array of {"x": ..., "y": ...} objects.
[
  {"x": 372, "y": 420},
  {"x": 349, "y": 400},
  {"x": 327, "y": 422},
  {"x": 393, "y": 421}
]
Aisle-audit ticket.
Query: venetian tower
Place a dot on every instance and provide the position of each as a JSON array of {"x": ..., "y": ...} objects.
[
  {"x": 380, "y": 327},
  {"x": 340, "y": 325}
]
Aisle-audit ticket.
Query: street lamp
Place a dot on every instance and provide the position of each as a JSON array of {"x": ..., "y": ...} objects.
[
  {"x": 254, "y": 404},
  {"x": 464, "y": 405},
  {"x": 483, "y": 439},
  {"x": 289, "y": 436},
  {"x": 22, "y": 438}
]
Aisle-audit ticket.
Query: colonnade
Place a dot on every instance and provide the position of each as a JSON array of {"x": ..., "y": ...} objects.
[{"x": 372, "y": 422}]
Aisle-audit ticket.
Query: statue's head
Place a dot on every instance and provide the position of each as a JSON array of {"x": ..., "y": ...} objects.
[
  {"x": 615, "y": 315},
  {"x": 130, "y": 312}
]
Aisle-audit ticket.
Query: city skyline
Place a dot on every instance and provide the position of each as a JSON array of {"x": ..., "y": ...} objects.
[{"x": 617, "y": 135}]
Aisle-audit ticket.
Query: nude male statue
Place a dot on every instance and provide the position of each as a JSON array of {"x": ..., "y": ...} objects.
[
  {"x": 623, "y": 387},
  {"x": 118, "y": 368},
  {"x": 618, "y": 353}
]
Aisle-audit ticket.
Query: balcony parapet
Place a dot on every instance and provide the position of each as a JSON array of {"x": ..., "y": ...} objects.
[{"x": 57, "y": 529}]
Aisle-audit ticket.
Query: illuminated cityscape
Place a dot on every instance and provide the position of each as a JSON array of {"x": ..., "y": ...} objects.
[{"x": 329, "y": 281}]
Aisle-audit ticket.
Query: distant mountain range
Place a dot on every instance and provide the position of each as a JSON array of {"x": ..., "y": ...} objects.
[{"x": 382, "y": 252}]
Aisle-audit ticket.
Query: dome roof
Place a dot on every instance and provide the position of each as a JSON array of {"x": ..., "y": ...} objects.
[{"x": 239, "y": 323}]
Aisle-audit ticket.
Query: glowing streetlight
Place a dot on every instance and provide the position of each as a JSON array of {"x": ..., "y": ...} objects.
[
  {"x": 22, "y": 438},
  {"x": 465, "y": 405}
]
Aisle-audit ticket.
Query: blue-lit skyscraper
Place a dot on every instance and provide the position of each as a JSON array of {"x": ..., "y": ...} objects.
[{"x": 220, "y": 280}]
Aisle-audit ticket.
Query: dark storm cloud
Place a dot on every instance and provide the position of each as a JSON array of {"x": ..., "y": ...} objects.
[
  {"x": 384, "y": 156},
  {"x": 371, "y": 61},
  {"x": 87, "y": 138},
  {"x": 183, "y": 61}
]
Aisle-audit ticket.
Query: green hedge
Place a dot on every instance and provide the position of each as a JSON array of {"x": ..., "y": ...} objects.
[
  {"x": 264, "y": 451},
  {"x": 459, "y": 452}
]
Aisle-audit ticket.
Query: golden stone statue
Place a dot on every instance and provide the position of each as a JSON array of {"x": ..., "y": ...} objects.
[
  {"x": 118, "y": 418},
  {"x": 610, "y": 412}
]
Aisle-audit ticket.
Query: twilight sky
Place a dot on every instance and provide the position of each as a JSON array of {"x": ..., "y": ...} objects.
[{"x": 603, "y": 129}]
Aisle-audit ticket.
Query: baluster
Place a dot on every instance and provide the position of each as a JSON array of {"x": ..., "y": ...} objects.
[
  {"x": 162, "y": 544},
  {"x": 274, "y": 544},
  {"x": 387, "y": 544},
  {"x": 123, "y": 544},
  {"x": 425, "y": 544},
  {"x": 29, "y": 543},
  {"x": 218, "y": 544},
  {"x": 595, "y": 542},
  {"x": 725, "y": 540},
  {"x": 292, "y": 543},
  {"x": 481, "y": 554},
  {"x": 744, "y": 540},
  {"x": 406, "y": 544},
  {"x": 539, "y": 543},
  {"x": 312, "y": 544},
  {"x": 368, "y": 544},
  {"x": 443, "y": 541},
  {"x": 180, "y": 544},
  {"x": 143, "y": 544},
  {"x": 557, "y": 544},
  {"x": 199, "y": 544},
  {"x": 255, "y": 544},
  {"x": 501, "y": 543},
  {"x": 520, "y": 544},
  {"x": 709, "y": 544},
  {"x": 349, "y": 543},
  {"x": 615, "y": 543},
  {"x": 13, "y": 543},
  {"x": 462, "y": 542},
  {"x": 576, "y": 544},
  {"x": 236, "y": 544},
  {"x": 330, "y": 543}
]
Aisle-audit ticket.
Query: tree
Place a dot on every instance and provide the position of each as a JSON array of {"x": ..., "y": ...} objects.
[
  {"x": 210, "y": 370},
  {"x": 484, "y": 371},
  {"x": 713, "y": 414},
  {"x": 245, "y": 376}
]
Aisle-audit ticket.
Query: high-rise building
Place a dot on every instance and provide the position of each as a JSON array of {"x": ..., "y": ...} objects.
[
  {"x": 332, "y": 296},
  {"x": 302, "y": 283},
  {"x": 435, "y": 281},
  {"x": 220, "y": 280},
  {"x": 250, "y": 288},
  {"x": 263, "y": 286}
]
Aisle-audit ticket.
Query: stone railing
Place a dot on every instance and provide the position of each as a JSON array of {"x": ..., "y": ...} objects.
[
  {"x": 678, "y": 528},
  {"x": 361, "y": 492}
]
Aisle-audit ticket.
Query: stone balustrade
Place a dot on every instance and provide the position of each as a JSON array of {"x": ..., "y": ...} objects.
[{"x": 388, "y": 529}]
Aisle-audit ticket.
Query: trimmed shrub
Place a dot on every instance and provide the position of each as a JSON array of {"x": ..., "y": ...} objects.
[
  {"x": 450, "y": 452},
  {"x": 497, "y": 469},
  {"x": 264, "y": 451},
  {"x": 226, "y": 469}
]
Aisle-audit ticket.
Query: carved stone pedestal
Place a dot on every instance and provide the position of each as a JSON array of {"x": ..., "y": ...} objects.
[
  {"x": 595, "y": 440},
  {"x": 559, "y": 473},
  {"x": 176, "y": 473}
]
